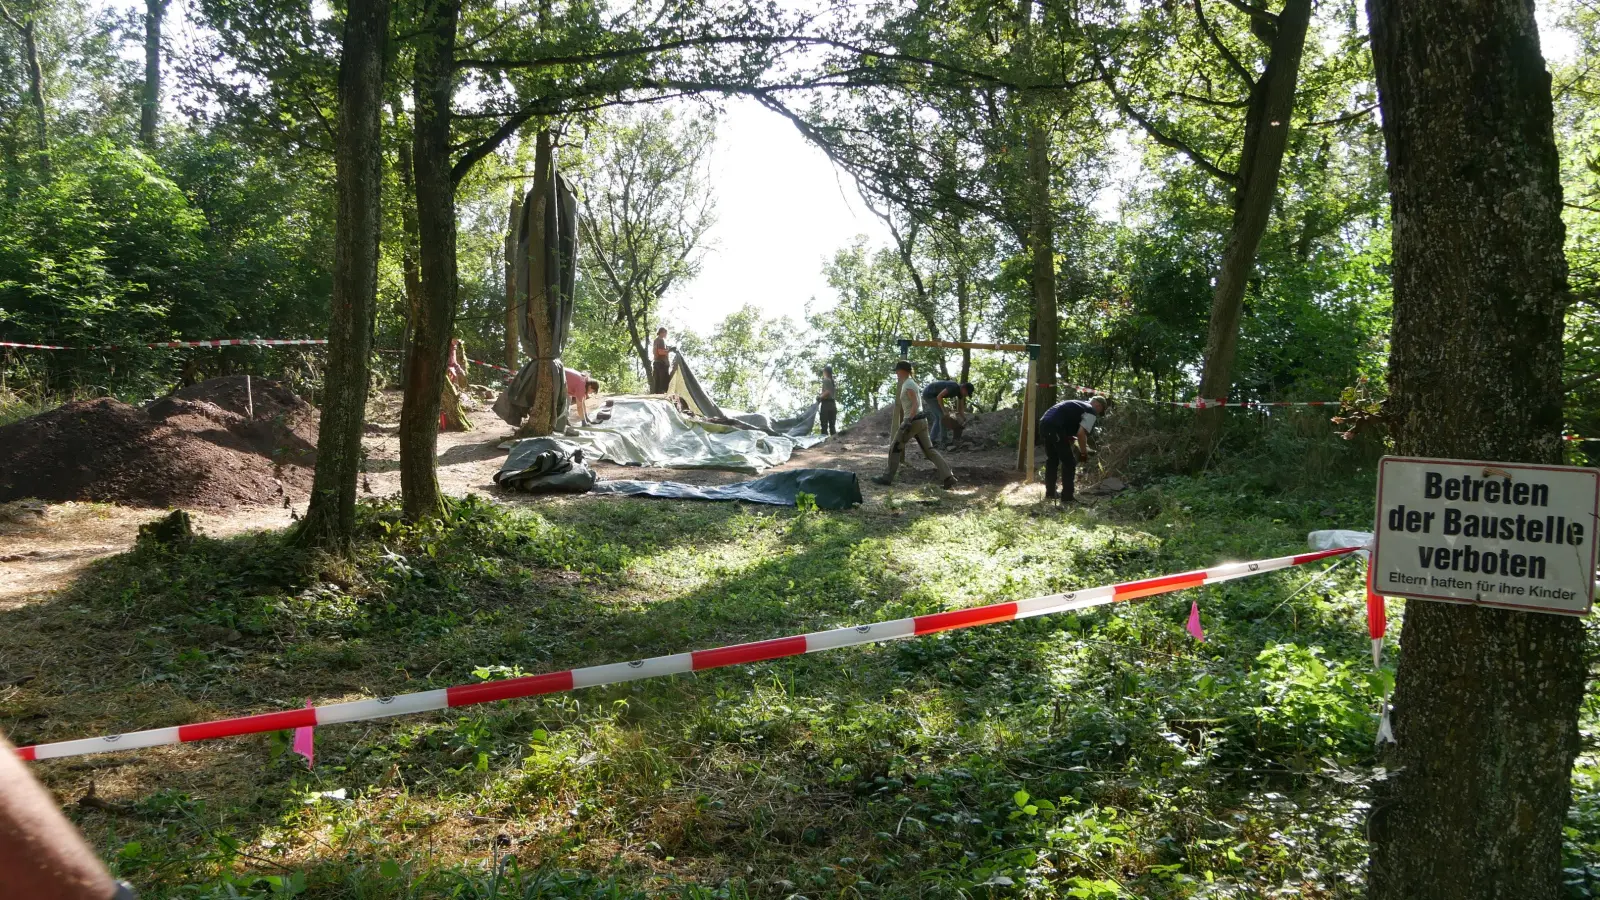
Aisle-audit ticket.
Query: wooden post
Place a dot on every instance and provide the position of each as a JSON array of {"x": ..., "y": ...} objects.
[
  {"x": 1033, "y": 416},
  {"x": 1024, "y": 432}
]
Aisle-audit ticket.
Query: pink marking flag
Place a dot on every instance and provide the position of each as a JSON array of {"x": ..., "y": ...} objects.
[
  {"x": 1194, "y": 622},
  {"x": 302, "y": 739}
]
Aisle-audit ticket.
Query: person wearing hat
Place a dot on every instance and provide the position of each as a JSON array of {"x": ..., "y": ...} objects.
[
  {"x": 913, "y": 427},
  {"x": 1059, "y": 427}
]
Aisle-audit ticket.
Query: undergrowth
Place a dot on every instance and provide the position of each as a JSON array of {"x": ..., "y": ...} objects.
[{"x": 1098, "y": 755}]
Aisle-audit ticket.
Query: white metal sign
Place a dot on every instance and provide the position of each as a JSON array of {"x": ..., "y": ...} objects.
[{"x": 1495, "y": 534}]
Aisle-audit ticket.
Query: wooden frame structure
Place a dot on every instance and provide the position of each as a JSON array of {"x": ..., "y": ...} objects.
[{"x": 1029, "y": 413}]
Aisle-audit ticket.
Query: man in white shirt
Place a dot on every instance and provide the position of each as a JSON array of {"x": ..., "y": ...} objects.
[{"x": 913, "y": 427}]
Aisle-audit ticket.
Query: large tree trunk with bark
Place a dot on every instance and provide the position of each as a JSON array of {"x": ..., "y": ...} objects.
[
  {"x": 150, "y": 102},
  {"x": 513, "y": 326},
  {"x": 358, "y": 158},
  {"x": 1486, "y": 703},
  {"x": 1266, "y": 134},
  {"x": 1041, "y": 243},
  {"x": 542, "y": 413},
  {"x": 433, "y": 88}
]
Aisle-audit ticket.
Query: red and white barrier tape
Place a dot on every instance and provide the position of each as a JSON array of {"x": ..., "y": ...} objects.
[
  {"x": 675, "y": 664},
  {"x": 229, "y": 342},
  {"x": 490, "y": 365}
]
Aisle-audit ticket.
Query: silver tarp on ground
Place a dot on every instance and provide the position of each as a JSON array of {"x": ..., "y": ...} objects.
[
  {"x": 653, "y": 433},
  {"x": 688, "y": 387}
]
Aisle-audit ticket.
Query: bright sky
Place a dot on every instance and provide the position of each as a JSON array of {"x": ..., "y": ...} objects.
[{"x": 782, "y": 211}]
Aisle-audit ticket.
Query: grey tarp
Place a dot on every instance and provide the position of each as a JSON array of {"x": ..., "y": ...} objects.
[
  {"x": 832, "y": 488},
  {"x": 545, "y": 466},
  {"x": 653, "y": 433},
  {"x": 688, "y": 387}
]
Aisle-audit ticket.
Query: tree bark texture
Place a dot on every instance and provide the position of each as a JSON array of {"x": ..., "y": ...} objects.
[
  {"x": 358, "y": 158},
  {"x": 1042, "y": 245},
  {"x": 1486, "y": 701},
  {"x": 410, "y": 270},
  {"x": 1266, "y": 134},
  {"x": 541, "y": 329},
  {"x": 150, "y": 103},
  {"x": 513, "y": 329},
  {"x": 433, "y": 88}
]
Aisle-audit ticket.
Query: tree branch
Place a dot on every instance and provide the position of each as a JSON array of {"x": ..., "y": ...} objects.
[
  {"x": 1227, "y": 54},
  {"x": 1199, "y": 159},
  {"x": 1340, "y": 120},
  {"x": 1254, "y": 12}
]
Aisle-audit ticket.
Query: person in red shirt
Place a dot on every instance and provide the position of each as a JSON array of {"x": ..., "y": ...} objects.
[{"x": 580, "y": 387}]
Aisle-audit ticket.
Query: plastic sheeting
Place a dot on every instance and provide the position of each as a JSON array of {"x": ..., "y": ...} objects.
[
  {"x": 545, "y": 466},
  {"x": 653, "y": 433},
  {"x": 832, "y": 488},
  {"x": 1335, "y": 538},
  {"x": 687, "y": 386}
]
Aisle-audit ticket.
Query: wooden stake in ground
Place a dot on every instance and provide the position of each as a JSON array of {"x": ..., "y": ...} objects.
[{"x": 1486, "y": 704}]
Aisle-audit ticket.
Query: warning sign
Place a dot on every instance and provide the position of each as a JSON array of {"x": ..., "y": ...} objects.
[{"x": 1497, "y": 534}]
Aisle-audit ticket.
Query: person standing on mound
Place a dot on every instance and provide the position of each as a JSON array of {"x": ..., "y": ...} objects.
[
  {"x": 1060, "y": 425},
  {"x": 828, "y": 407},
  {"x": 913, "y": 427},
  {"x": 660, "y": 375}
]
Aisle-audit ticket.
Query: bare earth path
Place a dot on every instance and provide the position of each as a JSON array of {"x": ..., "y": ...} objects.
[{"x": 43, "y": 547}]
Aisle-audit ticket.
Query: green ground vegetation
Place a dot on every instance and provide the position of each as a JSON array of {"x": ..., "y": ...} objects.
[{"x": 1098, "y": 755}]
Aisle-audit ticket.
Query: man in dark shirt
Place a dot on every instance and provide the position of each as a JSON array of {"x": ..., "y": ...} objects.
[
  {"x": 933, "y": 397},
  {"x": 1059, "y": 427}
]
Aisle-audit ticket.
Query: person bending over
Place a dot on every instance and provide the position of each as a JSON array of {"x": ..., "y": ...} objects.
[
  {"x": 580, "y": 387},
  {"x": 1060, "y": 425},
  {"x": 933, "y": 397},
  {"x": 913, "y": 427}
]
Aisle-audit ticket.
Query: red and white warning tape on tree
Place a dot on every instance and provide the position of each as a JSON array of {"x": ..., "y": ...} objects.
[
  {"x": 675, "y": 664},
  {"x": 227, "y": 342},
  {"x": 490, "y": 365}
]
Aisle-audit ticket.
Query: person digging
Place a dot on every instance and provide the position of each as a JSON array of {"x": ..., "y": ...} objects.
[
  {"x": 913, "y": 427},
  {"x": 1061, "y": 425},
  {"x": 933, "y": 397}
]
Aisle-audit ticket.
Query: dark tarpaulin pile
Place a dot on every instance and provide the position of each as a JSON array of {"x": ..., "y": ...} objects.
[
  {"x": 687, "y": 386},
  {"x": 832, "y": 488},
  {"x": 545, "y": 466}
]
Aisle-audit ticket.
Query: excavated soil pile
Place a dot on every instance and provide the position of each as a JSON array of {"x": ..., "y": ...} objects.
[
  {"x": 195, "y": 448},
  {"x": 990, "y": 431}
]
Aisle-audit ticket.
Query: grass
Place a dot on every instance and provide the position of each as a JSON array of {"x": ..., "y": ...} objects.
[{"x": 1094, "y": 756}]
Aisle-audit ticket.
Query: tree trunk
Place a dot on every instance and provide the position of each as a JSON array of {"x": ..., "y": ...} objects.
[
  {"x": 330, "y": 521},
  {"x": 963, "y": 302},
  {"x": 1042, "y": 245},
  {"x": 541, "y": 416},
  {"x": 1486, "y": 701},
  {"x": 1266, "y": 134},
  {"x": 513, "y": 327},
  {"x": 433, "y": 89},
  {"x": 150, "y": 105},
  {"x": 27, "y": 32},
  {"x": 410, "y": 271}
]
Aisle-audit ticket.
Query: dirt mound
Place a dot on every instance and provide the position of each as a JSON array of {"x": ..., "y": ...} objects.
[
  {"x": 873, "y": 425},
  {"x": 196, "y": 448},
  {"x": 990, "y": 430}
]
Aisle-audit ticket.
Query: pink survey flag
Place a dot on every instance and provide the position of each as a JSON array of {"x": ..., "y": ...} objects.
[
  {"x": 302, "y": 740},
  {"x": 1194, "y": 622}
]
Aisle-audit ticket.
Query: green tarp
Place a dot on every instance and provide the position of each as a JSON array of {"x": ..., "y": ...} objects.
[{"x": 832, "y": 488}]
